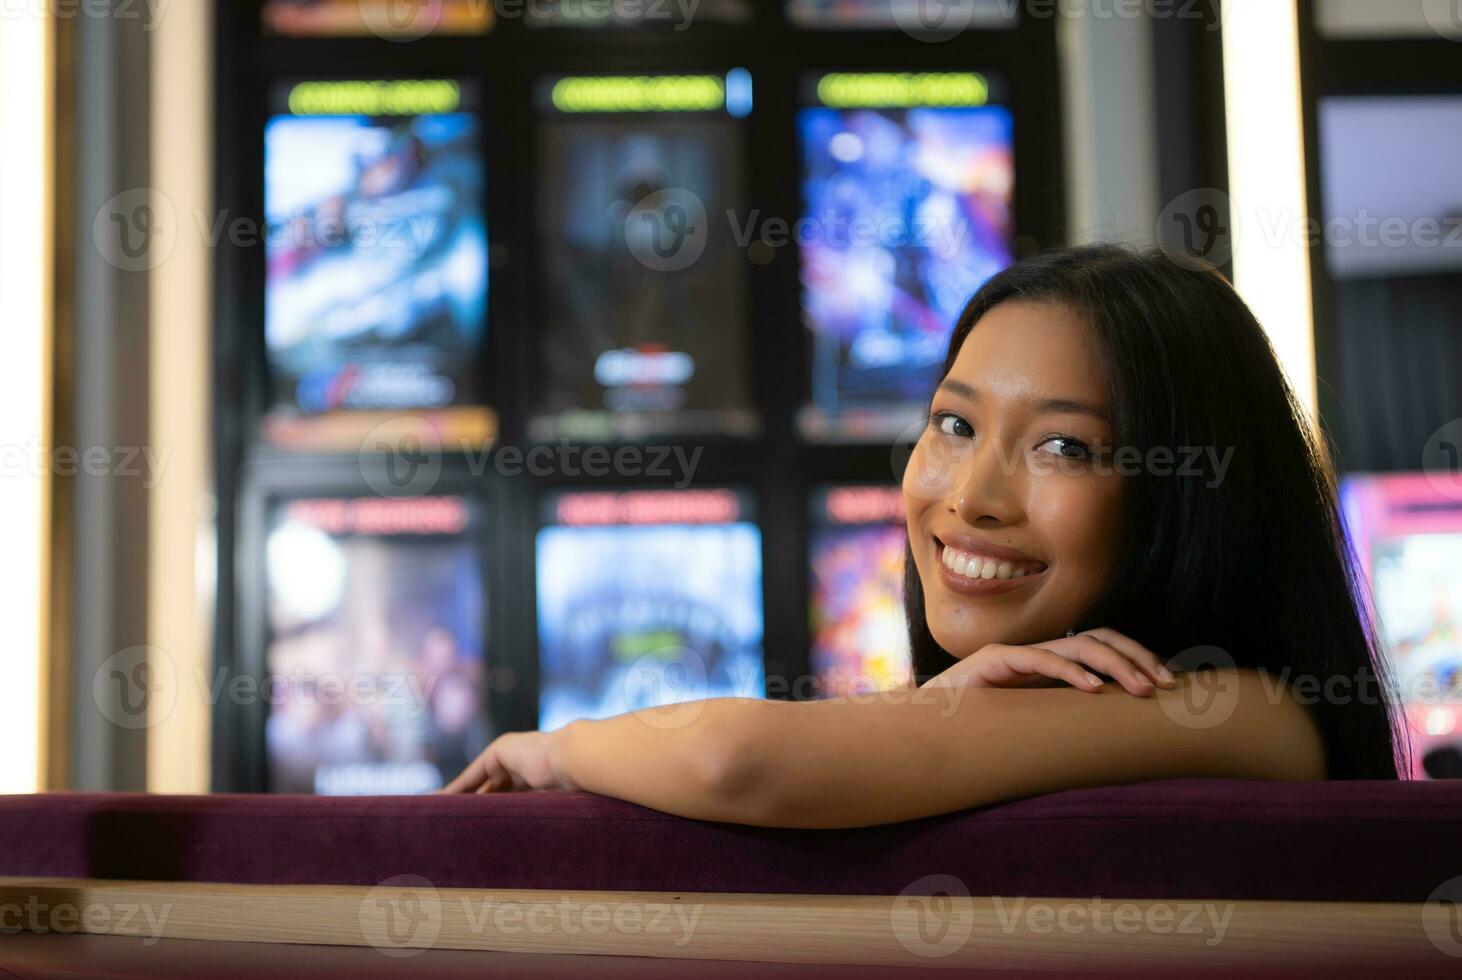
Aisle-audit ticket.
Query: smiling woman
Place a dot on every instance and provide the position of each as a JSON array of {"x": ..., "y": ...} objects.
[{"x": 1082, "y": 610}]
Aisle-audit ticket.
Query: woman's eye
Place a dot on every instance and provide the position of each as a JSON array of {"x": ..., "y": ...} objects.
[
  {"x": 1066, "y": 447},
  {"x": 952, "y": 425}
]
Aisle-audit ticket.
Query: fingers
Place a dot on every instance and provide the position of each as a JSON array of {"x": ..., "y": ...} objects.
[
  {"x": 484, "y": 773},
  {"x": 1046, "y": 663},
  {"x": 471, "y": 778},
  {"x": 1144, "y": 659}
]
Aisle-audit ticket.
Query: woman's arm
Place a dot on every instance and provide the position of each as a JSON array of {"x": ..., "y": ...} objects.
[{"x": 879, "y": 759}]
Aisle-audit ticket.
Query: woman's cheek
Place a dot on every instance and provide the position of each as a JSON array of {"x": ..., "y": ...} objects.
[
  {"x": 935, "y": 466},
  {"x": 1077, "y": 517}
]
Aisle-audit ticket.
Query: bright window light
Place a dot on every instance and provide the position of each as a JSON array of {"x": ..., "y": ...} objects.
[
  {"x": 24, "y": 265},
  {"x": 1266, "y": 163}
]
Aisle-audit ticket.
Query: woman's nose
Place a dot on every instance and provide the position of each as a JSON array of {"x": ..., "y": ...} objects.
[{"x": 985, "y": 492}]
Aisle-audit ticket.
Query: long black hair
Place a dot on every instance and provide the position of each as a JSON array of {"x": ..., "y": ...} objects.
[{"x": 1255, "y": 563}]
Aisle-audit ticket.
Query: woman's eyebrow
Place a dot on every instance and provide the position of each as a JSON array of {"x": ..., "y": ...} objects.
[{"x": 1044, "y": 406}]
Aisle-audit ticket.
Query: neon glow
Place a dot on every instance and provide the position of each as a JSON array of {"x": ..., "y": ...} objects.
[
  {"x": 902, "y": 90},
  {"x": 378, "y": 98},
  {"x": 639, "y": 93}
]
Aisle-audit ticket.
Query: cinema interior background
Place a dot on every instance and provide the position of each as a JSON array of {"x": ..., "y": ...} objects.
[{"x": 378, "y": 382}]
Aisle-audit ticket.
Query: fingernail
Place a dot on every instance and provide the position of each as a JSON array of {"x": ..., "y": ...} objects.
[
  {"x": 1093, "y": 679},
  {"x": 1165, "y": 674}
]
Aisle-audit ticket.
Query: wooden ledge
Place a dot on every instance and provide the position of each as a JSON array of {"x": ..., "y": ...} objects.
[{"x": 406, "y": 914}]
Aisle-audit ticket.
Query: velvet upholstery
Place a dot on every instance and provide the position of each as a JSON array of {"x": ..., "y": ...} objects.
[{"x": 1223, "y": 839}]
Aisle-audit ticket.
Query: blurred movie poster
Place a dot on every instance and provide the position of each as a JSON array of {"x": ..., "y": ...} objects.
[
  {"x": 644, "y": 288},
  {"x": 1407, "y": 535},
  {"x": 907, "y": 184},
  {"x": 376, "y": 283},
  {"x": 856, "y": 555},
  {"x": 376, "y": 616},
  {"x": 645, "y": 599}
]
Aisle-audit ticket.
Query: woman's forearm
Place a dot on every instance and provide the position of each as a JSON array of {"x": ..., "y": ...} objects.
[
  {"x": 838, "y": 762},
  {"x": 901, "y": 755},
  {"x": 692, "y": 760}
]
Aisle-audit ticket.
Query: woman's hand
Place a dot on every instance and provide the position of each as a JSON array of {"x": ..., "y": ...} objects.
[
  {"x": 517, "y": 760},
  {"x": 1062, "y": 660}
]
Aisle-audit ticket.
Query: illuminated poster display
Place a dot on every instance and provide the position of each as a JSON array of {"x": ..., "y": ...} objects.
[
  {"x": 376, "y": 282},
  {"x": 376, "y": 618},
  {"x": 644, "y": 301},
  {"x": 647, "y": 598},
  {"x": 907, "y": 184},
  {"x": 1407, "y": 536},
  {"x": 855, "y": 555}
]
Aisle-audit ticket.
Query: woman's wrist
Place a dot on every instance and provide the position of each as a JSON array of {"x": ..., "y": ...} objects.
[{"x": 560, "y": 754}]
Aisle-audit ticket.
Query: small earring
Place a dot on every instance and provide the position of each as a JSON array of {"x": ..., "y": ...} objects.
[{"x": 1070, "y": 633}]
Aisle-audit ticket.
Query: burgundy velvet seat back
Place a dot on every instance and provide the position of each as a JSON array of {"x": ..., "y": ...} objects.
[{"x": 1356, "y": 841}]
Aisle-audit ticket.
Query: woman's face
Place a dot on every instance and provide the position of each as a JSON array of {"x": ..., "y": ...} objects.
[{"x": 1013, "y": 505}]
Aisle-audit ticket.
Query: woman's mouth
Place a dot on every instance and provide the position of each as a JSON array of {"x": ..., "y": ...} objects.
[{"x": 973, "y": 573}]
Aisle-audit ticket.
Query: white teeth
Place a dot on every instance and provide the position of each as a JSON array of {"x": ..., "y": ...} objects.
[{"x": 975, "y": 566}]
